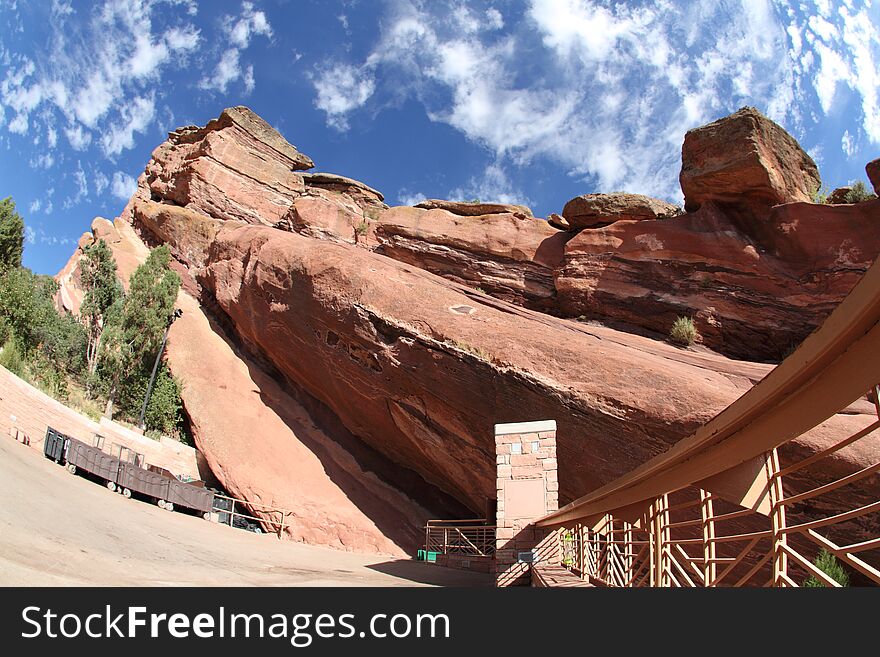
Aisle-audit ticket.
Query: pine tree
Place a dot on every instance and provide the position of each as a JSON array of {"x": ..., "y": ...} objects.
[
  {"x": 102, "y": 292},
  {"x": 11, "y": 235},
  {"x": 145, "y": 314}
]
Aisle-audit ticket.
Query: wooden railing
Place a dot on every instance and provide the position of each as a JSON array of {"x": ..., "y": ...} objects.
[
  {"x": 470, "y": 537},
  {"x": 754, "y": 496}
]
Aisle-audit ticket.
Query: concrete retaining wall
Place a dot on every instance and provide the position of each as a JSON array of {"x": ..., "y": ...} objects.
[{"x": 28, "y": 410}]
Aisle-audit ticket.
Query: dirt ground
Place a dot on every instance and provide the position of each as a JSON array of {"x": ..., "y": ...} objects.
[{"x": 58, "y": 529}]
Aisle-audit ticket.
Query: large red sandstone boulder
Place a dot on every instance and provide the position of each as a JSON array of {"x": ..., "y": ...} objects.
[
  {"x": 237, "y": 167},
  {"x": 475, "y": 208},
  {"x": 747, "y": 160},
  {"x": 362, "y": 195},
  {"x": 592, "y": 210},
  {"x": 872, "y": 168}
]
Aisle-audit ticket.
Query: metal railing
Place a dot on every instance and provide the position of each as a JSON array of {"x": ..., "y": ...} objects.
[
  {"x": 466, "y": 537},
  {"x": 270, "y": 518},
  {"x": 755, "y": 495}
]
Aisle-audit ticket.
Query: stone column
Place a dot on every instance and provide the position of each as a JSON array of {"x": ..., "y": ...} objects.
[{"x": 527, "y": 488}]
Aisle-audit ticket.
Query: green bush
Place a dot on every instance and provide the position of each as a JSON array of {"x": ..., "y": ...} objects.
[
  {"x": 12, "y": 359},
  {"x": 683, "y": 331},
  {"x": 820, "y": 194},
  {"x": 859, "y": 193},
  {"x": 11, "y": 235},
  {"x": 828, "y": 564}
]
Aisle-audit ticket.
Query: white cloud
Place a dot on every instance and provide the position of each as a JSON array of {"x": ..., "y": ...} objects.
[
  {"x": 42, "y": 161},
  {"x": 248, "y": 24},
  {"x": 182, "y": 39},
  {"x": 239, "y": 32},
  {"x": 30, "y": 237},
  {"x": 35, "y": 206},
  {"x": 78, "y": 137},
  {"x": 135, "y": 116},
  {"x": 82, "y": 187},
  {"x": 19, "y": 125},
  {"x": 341, "y": 89},
  {"x": 228, "y": 70},
  {"x": 122, "y": 186},
  {"x": 607, "y": 90},
  {"x": 100, "y": 63},
  {"x": 493, "y": 186},
  {"x": 847, "y": 144},
  {"x": 101, "y": 183},
  {"x": 404, "y": 197}
]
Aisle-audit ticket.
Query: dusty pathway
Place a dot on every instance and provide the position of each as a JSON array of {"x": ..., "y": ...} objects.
[{"x": 57, "y": 529}]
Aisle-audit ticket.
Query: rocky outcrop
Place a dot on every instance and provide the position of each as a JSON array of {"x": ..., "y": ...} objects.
[
  {"x": 70, "y": 292},
  {"x": 421, "y": 369},
  {"x": 364, "y": 196},
  {"x": 558, "y": 222},
  {"x": 259, "y": 441},
  {"x": 872, "y": 168},
  {"x": 475, "y": 208},
  {"x": 838, "y": 196},
  {"x": 235, "y": 168},
  {"x": 501, "y": 254},
  {"x": 751, "y": 296},
  {"x": 338, "y": 360},
  {"x": 596, "y": 210},
  {"x": 747, "y": 161}
]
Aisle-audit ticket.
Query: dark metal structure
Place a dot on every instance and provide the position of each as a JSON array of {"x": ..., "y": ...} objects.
[
  {"x": 53, "y": 446},
  {"x": 125, "y": 473}
]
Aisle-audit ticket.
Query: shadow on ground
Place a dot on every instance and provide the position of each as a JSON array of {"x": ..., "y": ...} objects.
[{"x": 427, "y": 573}]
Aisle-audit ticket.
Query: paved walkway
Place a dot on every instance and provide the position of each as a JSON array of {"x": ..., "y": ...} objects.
[{"x": 58, "y": 529}]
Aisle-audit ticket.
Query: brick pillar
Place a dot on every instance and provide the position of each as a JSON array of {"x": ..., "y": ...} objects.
[{"x": 527, "y": 488}]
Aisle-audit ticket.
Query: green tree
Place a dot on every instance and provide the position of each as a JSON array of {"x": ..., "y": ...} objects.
[
  {"x": 11, "y": 235},
  {"x": 145, "y": 314},
  {"x": 859, "y": 193},
  {"x": 103, "y": 291},
  {"x": 828, "y": 564},
  {"x": 49, "y": 344},
  {"x": 164, "y": 409},
  {"x": 26, "y": 305}
]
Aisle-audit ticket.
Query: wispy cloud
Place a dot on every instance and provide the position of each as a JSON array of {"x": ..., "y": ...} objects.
[
  {"x": 607, "y": 90},
  {"x": 100, "y": 68},
  {"x": 122, "y": 186},
  {"x": 238, "y": 31}
]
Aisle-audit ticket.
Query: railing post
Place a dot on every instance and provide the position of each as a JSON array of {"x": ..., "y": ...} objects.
[
  {"x": 629, "y": 553},
  {"x": 780, "y": 558},
  {"x": 582, "y": 563},
  {"x": 707, "y": 511},
  {"x": 660, "y": 540}
]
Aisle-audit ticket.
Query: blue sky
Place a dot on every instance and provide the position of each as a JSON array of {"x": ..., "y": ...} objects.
[{"x": 530, "y": 101}]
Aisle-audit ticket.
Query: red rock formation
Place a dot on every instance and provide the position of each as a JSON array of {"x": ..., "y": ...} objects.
[
  {"x": 311, "y": 304},
  {"x": 236, "y": 167},
  {"x": 596, "y": 210},
  {"x": 508, "y": 257},
  {"x": 475, "y": 208},
  {"x": 752, "y": 296},
  {"x": 745, "y": 160},
  {"x": 872, "y": 168}
]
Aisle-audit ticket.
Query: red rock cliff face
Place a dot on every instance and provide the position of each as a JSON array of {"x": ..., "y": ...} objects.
[{"x": 368, "y": 317}]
